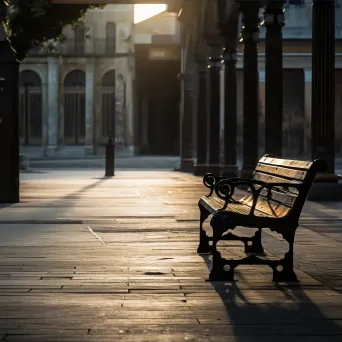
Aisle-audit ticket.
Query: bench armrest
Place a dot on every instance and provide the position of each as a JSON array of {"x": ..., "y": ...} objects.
[
  {"x": 210, "y": 180},
  {"x": 225, "y": 189}
]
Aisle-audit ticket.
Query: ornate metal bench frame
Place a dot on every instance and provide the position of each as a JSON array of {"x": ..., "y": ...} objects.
[{"x": 223, "y": 220}]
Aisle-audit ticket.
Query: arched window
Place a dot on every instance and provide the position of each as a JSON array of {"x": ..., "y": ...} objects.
[
  {"x": 74, "y": 108},
  {"x": 30, "y": 110},
  {"x": 110, "y": 38},
  {"x": 108, "y": 104}
]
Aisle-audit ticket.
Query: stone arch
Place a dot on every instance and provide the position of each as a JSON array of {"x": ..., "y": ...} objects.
[
  {"x": 30, "y": 108},
  {"x": 108, "y": 78},
  {"x": 74, "y": 107},
  {"x": 75, "y": 78},
  {"x": 29, "y": 77}
]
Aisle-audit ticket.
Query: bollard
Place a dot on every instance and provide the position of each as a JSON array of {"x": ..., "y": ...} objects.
[{"x": 110, "y": 157}]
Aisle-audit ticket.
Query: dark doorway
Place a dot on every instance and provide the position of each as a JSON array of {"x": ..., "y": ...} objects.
[
  {"x": 74, "y": 108},
  {"x": 158, "y": 96},
  {"x": 30, "y": 108}
]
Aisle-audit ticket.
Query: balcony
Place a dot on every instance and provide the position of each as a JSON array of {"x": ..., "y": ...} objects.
[{"x": 73, "y": 48}]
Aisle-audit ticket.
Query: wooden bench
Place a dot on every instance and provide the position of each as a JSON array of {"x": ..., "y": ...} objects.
[{"x": 274, "y": 199}]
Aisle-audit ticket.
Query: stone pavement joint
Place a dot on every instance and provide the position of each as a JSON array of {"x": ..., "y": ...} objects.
[{"x": 88, "y": 258}]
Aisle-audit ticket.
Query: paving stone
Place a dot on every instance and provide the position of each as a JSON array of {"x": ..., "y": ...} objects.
[{"x": 93, "y": 259}]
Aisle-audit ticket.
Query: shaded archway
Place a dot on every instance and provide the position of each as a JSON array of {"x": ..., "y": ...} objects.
[
  {"x": 30, "y": 108},
  {"x": 108, "y": 109},
  {"x": 74, "y": 108}
]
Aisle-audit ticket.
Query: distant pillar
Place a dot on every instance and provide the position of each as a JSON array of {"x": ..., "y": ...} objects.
[
  {"x": 250, "y": 35},
  {"x": 323, "y": 81},
  {"x": 307, "y": 112},
  {"x": 229, "y": 167},
  {"x": 213, "y": 113},
  {"x": 53, "y": 105},
  {"x": 326, "y": 186},
  {"x": 45, "y": 117},
  {"x": 9, "y": 136},
  {"x": 186, "y": 152},
  {"x": 262, "y": 139},
  {"x": 200, "y": 165},
  {"x": 89, "y": 107},
  {"x": 274, "y": 21}
]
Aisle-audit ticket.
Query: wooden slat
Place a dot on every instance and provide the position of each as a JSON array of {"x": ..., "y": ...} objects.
[
  {"x": 286, "y": 198},
  {"x": 281, "y": 171},
  {"x": 269, "y": 207},
  {"x": 296, "y": 164},
  {"x": 274, "y": 179}
]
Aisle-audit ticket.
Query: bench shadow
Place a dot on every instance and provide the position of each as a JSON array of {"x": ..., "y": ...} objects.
[{"x": 303, "y": 312}]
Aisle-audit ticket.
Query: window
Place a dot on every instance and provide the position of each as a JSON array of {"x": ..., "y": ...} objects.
[
  {"x": 110, "y": 37},
  {"x": 79, "y": 32}
]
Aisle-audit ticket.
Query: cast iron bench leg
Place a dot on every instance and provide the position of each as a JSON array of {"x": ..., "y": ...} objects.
[
  {"x": 283, "y": 271},
  {"x": 204, "y": 246},
  {"x": 254, "y": 245}
]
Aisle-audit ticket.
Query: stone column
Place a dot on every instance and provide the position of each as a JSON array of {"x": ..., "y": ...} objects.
[
  {"x": 200, "y": 165},
  {"x": 323, "y": 81},
  {"x": 274, "y": 21},
  {"x": 262, "y": 136},
  {"x": 326, "y": 186},
  {"x": 250, "y": 35},
  {"x": 45, "y": 116},
  {"x": 53, "y": 105},
  {"x": 187, "y": 162},
  {"x": 307, "y": 112},
  {"x": 89, "y": 106},
  {"x": 9, "y": 130},
  {"x": 229, "y": 167},
  {"x": 213, "y": 110}
]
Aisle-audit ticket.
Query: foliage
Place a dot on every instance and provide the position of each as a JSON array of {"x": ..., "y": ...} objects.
[{"x": 31, "y": 22}]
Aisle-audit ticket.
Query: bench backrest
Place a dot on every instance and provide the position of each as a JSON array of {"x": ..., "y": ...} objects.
[{"x": 285, "y": 201}]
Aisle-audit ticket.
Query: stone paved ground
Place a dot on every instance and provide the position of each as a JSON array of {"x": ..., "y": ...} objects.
[{"x": 84, "y": 258}]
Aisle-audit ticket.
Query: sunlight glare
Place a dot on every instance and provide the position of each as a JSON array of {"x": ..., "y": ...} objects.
[{"x": 143, "y": 12}]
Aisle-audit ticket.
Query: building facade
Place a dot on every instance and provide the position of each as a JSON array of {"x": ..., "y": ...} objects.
[
  {"x": 74, "y": 98},
  {"x": 110, "y": 68}
]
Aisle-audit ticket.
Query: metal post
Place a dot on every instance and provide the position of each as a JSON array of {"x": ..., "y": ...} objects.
[{"x": 110, "y": 157}]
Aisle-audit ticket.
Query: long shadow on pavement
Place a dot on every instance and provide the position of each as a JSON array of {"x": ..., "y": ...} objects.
[
  {"x": 72, "y": 196},
  {"x": 296, "y": 316}
]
